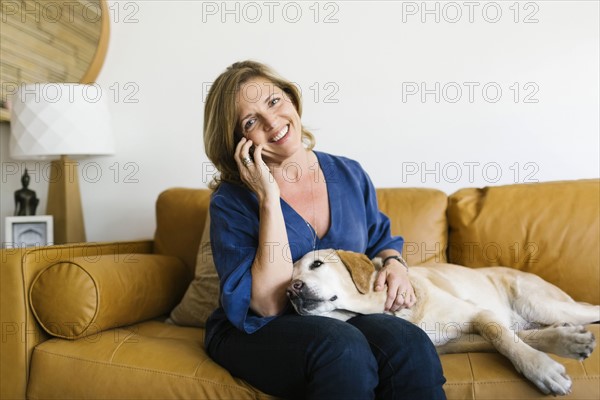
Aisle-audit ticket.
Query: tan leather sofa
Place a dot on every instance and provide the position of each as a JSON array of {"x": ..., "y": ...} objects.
[{"x": 551, "y": 229}]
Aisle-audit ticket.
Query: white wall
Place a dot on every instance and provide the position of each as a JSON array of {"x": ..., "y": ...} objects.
[{"x": 364, "y": 64}]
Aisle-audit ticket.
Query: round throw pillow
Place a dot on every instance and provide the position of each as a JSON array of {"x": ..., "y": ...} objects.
[{"x": 82, "y": 297}]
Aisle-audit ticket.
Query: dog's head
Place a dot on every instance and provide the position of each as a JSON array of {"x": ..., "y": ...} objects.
[{"x": 327, "y": 280}]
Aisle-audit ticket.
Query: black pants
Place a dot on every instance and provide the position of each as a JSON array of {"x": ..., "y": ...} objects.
[{"x": 304, "y": 357}]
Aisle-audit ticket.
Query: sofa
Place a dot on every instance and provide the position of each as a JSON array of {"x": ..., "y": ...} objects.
[{"x": 91, "y": 320}]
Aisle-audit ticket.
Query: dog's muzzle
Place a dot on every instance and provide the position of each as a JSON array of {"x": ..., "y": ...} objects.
[
  {"x": 303, "y": 299},
  {"x": 295, "y": 289}
]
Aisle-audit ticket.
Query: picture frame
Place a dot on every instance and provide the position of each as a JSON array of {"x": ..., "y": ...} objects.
[{"x": 29, "y": 231}]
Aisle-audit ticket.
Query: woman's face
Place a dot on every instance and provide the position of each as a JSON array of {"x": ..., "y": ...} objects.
[{"x": 267, "y": 115}]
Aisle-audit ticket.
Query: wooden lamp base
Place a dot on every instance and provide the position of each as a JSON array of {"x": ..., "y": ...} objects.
[{"x": 64, "y": 202}]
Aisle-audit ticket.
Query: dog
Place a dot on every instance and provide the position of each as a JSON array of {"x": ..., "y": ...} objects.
[{"x": 461, "y": 309}]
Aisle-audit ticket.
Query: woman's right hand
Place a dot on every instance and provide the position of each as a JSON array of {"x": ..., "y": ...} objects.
[
  {"x": 255, "y": 174},
  {"x": 269, "y": 279}
]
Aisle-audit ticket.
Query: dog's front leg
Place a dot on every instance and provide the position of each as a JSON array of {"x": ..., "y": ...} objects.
[
  {"x": 548, "y": 375},
  {"x": 565, "y": 340}
]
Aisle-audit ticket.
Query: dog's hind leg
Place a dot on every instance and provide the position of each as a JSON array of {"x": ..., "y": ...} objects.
[
  {"x": 543, "y": 310},
  {"x": 538, "y": 301},
  {"x": 548, "y": 375},
  {"x": 565, "y": 340}
]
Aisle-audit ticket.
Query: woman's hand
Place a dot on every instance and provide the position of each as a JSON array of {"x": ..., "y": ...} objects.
[
  {"x": 255, "y": 173},
  {"x": 270, "y": 277},
  {"x": 400, "y": 293}
]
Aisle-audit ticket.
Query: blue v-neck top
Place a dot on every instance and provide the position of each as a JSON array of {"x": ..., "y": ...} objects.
[{"x": 356, "y": 224}]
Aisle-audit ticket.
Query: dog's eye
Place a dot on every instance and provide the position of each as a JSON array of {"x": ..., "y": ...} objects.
[{"x": 316, "y": 264}]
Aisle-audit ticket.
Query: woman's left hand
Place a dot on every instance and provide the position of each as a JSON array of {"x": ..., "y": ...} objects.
[{"x": 400, "y": 293}]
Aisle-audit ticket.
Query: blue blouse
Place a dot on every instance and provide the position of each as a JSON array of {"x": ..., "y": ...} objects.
[{"x": 356, "y": 224}]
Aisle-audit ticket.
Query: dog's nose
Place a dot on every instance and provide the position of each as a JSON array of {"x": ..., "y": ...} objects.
[
  {"x": 294, "y": 288},
  {"x": 297, "y": 284}
]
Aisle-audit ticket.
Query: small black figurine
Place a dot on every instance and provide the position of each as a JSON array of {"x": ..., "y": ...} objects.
[{"x": 25, "y": 200}]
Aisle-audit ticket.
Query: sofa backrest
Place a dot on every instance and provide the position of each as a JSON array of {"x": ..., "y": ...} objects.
[
  {"x": 551, "y": 229},
  {"x": 180, "y": 217},
  {"x": 419, "y": 215}
]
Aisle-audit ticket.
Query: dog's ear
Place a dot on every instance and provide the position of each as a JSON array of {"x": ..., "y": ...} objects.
[{"x": 360, "y": 268}]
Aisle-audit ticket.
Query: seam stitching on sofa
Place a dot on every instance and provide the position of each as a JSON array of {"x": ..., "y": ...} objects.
[
  {"x": 144, "y": 370},
  {"x": 472, "y": 376},
  {"x": 200, "y": 363},
  {"x": 28, "y": 311},
  {"x": 582, "y": 378},
  {"x": 114, "y": 353}
]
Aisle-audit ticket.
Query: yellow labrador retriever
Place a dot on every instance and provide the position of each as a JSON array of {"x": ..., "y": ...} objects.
[{"x": 520, "y": 314}]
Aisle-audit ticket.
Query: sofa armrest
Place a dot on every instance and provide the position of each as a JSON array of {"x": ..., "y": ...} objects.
[{"x": 20, "y": 331}]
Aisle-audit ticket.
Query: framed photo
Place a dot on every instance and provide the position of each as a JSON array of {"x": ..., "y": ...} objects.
[{"x": 29, "y": 231}]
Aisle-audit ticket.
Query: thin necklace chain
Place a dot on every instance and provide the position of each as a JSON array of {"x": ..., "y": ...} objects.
[
  {"x": 313, "y": 233},
  {"x": 313, "y": 229}
]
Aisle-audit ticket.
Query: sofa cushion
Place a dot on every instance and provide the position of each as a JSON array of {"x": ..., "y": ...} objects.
[
  {"x": 87, "y": 295},
  {"x": 152, "y": 360},
  {"x": 492, "y": 376},
  {"x": 149, "y": 360},
  {"x": 202, "y": 296},
  {"x": 550, "y": 229}
]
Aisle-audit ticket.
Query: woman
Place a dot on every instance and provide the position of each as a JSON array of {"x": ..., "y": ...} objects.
[{"x": 275, "y": 200}]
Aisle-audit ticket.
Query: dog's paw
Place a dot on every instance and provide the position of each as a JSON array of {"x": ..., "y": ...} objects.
[
  {"x": 548, "y": 375},
  {"x": 574, "y": 341}
]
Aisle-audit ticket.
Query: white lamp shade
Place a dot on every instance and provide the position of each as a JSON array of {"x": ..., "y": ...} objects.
[{"x": 54, "y": 119}]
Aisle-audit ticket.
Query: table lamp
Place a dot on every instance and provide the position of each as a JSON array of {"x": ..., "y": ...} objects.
[{"x": 50, "y": 120}]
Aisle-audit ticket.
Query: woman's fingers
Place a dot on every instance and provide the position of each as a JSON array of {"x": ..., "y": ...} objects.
[
  {"x": 254, "y": 172},
  {"x": 242, "y": 150},
  {"x": 405, "y": 298},
  {"x": 400, "y": 293}
]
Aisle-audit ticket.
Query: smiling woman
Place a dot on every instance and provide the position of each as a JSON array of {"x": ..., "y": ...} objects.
[
  {"x": 58, "y": 41},
  {"x": 269, "y": 210}
]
